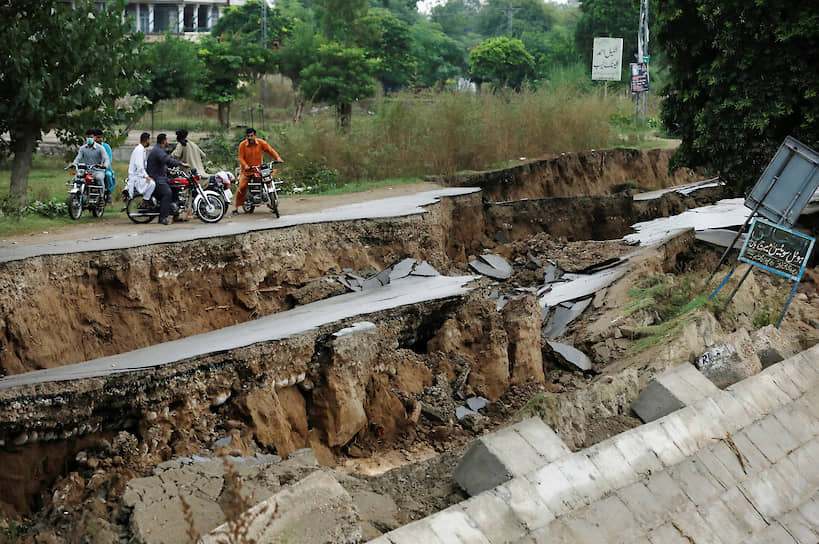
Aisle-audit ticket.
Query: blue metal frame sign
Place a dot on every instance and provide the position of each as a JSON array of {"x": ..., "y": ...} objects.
[{"x": 777, "y": 249}]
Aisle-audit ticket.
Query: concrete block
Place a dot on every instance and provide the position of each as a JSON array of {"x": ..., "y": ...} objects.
[
  {"x": 454, "y": 526},
  {"x": 542, "y": 438},
  {"x": 771, "y": 346},
  {"x": 673, "y": 389},
  {"x": 802, "y": 375},
  {"x": 730, "y": 461},
  {"x": 770, "y": 494},
  {"x": 754, "y": 459},
  {"x": 761, "y": 391},
  {"x": 494, "y": 459},
  {"x": 800, "y": 484},
  {"x": 493, "y": 517},
  {"x": 784, "y": 382},
  {"x": 805, "y": 414},
  {"x": 638, "y": 455},
  {"x": 715, "y": 468},
  {"x": 555, "y": 490},
  {"x": 733, "y": 409},
  {"x": 314, "y": 510},
  {"x": 745, "y": 515},
  {"x": 584, "y": 529},
  {"x": 675, "y": 426},
  {"x": 611, "y": 464},
  {"x": 691, "y": 525},
  {"x": 644, "y": 506},
  {"x": 413, "y": 533},
  {"x": 655, "y": 437},
  {"x": 695, "y": 481},
  {"x": 667, "y": 534},
  {"x": 583, "y": 475},
  {"x": 799, "y": 527},
  {"x": 557, "y": 532},
  {"x": 702, "y": 432},
  {"x": 711, "y": 420},
  {"x": 806, "y": 459},
  {"x": 667, "y": 492},
  {"x": 759, "y": 433},
  {"x": 775, "y": 533},
  {"x": 733, "y": 361},
  {"x": 617, "y": 521},
  {"x": 722, "y": 521},
  {"x": 810, "y": 510},
  {"x": 525, "y": 503}
]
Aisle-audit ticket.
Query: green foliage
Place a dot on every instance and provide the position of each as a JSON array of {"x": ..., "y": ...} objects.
[
  {"x": 297, "y": 51},
  {"x": 436, "y": 56},
  {"x": 171, "y": 68},
  {"x": 339, "y": 76},
  {"x": 310, "y": 175},
  {"x": 387, "y": 40},
  {"x": 459, "y": 20},
  {"x": 741, "y": 77},
  {"x": 337, "y": 18},
  {"x": 245, "y": 22},
  {"x": 503, "y": 62},
  {"x": 609, "y": 18},
  {"x": 69, "y": 67},
  {"x": 223, "y": 66},
  {"x": 511, "y": 18},
  {"x": 763, "y": 317}
]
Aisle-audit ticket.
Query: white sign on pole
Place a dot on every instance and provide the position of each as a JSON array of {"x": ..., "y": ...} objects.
[{"x": 607, "y": 59}]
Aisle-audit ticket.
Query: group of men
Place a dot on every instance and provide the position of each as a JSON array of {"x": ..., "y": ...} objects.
[{"x": 148, "y": 171}]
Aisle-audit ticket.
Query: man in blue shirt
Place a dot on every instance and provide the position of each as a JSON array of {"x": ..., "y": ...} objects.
[
  {"x": 110, "y": 177},
  {"x": 157, "y": 168}
]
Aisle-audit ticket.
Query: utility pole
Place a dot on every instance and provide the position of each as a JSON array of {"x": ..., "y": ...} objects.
[
  {"x": 510, "y": 12},
  {"x": 642, "y": 52},
  {"x": 264, "y": 44}
]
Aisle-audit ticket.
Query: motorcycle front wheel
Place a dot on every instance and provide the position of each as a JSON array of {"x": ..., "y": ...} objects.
[
  {"x": 215, "y": 213},
  {"x": 248, "y": 207},
  {"x": 75, "y": 206},
  {"x": 137, "y": 214},
  {"x": 274, "y": 205}
]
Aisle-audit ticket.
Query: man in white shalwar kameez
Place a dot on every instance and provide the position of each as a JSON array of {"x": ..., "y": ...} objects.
[{"x": 138, "y": 179}]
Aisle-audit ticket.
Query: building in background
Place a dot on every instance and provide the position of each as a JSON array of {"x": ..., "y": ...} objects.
[{"x": 190, "y": 18}]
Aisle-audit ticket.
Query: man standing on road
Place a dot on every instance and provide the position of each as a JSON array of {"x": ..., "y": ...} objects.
[
  {"x": 187, "y": 151},
  {"x": 92, "y": 154},
  {"x": 251, "y": 151},
  {"x": 110, "y": 178},
  {"x": 138, "y": 178},
  {"x": 157, "y": 168}
]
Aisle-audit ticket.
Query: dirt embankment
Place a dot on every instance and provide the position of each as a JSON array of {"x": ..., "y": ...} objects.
[{"x": 600, "y": 172}]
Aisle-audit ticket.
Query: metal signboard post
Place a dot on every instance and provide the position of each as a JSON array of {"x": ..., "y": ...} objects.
[
  {"x": 780, "y": 195},
  {"x": 607, "y": 60},
  {"x": 776, "y": 249}
]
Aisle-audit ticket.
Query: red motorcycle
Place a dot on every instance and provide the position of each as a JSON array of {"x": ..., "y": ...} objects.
[
  {"x": 261, "y": 188},
  {"x": 85, "y": 193},
  {"x": 186, "y": 194}
]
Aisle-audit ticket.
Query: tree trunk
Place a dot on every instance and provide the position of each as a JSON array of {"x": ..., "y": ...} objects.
[
  {"x": 153, "y": 106},
  {"x": 227, "y": 117},
  {"x": 299, "y": 109},
  {"x": 345, "y": 116},
  {"x": 23, "y": 144}
]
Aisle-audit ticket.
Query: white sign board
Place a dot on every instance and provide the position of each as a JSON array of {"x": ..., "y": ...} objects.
[{"x": 607, "y": 59}]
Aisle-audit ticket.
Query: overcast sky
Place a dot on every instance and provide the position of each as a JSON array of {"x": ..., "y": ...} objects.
[{"x": 425, "y": 5}]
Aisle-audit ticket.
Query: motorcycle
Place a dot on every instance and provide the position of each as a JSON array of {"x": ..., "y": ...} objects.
[
  {"x": 220, "y": 186},
  {"x": 186, "y": 193},
  {"x": 261, "y": 188},
  {"x": 85, "y": 193}
]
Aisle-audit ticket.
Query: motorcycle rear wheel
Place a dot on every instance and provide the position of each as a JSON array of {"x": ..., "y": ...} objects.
[
  {"x": 215, "y": 214},
  {"x": 75, "y": 206},
  {"x": 99, "y": 209},
  {"x": 136, "y": 214}
]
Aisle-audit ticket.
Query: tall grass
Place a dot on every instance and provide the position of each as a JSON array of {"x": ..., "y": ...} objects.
[{"x": 409, "y": 135}]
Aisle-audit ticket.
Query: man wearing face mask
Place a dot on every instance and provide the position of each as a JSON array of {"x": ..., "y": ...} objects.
[
  {"x": 157, "y": 168},
  {"x": 94, "y": 157},
  {"x": 110, "y": 177}
]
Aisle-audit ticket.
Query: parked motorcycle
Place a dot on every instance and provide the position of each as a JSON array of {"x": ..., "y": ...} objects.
[
  {"x": 221, "y": 186},
  {"x": 186, "y": 194},
  {"x": 85, "y": 193},
  {"x": 261, "y": 188}
]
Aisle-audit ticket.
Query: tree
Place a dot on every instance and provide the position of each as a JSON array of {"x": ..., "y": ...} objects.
[
  {"x": 245, "y": 21},
  {"x": 741, "y": 78},
  {"x": 458, "y": 20},
  {"x": 608, "y": 18},
  {"x": 221, "y": 76},
  {"x": 296, "y": 53},
  {"x": 340, "y": 76},
  {"x": 501, "y": 61},
  {"x": 437, "y": 57},
  {"x": 337, "y": 17},
  {"x": 511, "y": 18},
  {"x": 386, "y": 39},
  {"x": 170, "y": 69},
  {"x": 59, "y": 65}
]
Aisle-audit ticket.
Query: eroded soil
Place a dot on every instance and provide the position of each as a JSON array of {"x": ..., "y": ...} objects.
[{"x": 376, "y": 406}]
